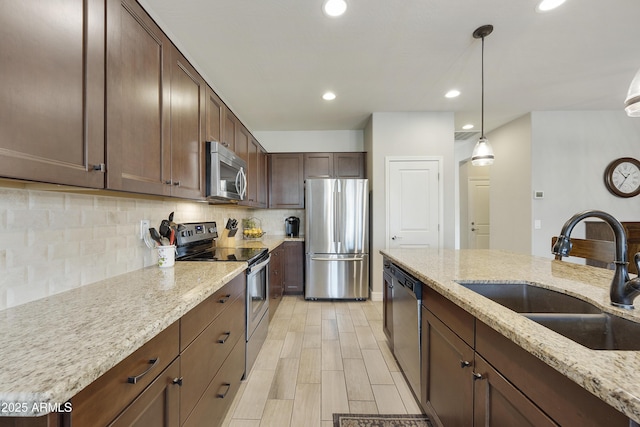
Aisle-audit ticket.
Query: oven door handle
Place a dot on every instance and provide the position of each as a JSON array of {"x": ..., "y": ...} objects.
[{"x": 257, "y": 267}]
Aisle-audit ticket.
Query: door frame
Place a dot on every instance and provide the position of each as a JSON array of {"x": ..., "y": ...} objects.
[{"x": 387, "y": 163}]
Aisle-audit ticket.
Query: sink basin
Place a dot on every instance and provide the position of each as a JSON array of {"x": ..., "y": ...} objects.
[
  {"x": 578, "y": 320},
  {"x": 602, "y": 331},
  {"x": 528, "y": 298}
]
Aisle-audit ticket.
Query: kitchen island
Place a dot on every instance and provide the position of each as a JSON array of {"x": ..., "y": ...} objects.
[{"x": 612, "y": 376}]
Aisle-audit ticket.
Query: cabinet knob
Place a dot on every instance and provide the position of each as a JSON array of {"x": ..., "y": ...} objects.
[
  {"x": 176, "y": 183},
  {"x": 99, "y": 168},
  {"x": 465, "y": 363},
  {"x": 477, "y": 376},
  {"x": 178, "y": 381},
  {"x": 168, "y": 182}
]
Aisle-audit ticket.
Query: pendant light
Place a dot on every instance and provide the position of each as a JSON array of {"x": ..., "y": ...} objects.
[
  {"x": 632, "y": 103},
  {"x": 482, "y": 152}
]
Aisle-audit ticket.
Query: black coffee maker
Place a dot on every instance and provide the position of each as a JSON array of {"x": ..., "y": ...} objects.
[{"x": 292, "y": 226}]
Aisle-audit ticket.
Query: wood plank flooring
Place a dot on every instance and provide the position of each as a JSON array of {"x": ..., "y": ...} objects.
[{"x": 320, "y": 358}]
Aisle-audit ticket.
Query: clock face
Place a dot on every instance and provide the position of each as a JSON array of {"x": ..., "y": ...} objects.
[{"x": 622, "y": 177}]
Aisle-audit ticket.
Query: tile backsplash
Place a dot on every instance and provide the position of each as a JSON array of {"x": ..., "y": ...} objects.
[{"x": 54, "y": 241}]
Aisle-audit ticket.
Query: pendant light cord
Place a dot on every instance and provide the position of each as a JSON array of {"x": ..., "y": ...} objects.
[{"x": 482, "y": 94}]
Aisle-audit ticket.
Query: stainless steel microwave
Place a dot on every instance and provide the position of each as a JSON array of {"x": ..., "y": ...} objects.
[{"x": 226, "y": 174}]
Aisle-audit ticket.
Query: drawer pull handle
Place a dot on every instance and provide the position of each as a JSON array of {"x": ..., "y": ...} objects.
[
  {"x": 224, "y": 299},
  {"x": 465, "y": 363},
  {"x": 134, "y": 380},
  {"x": 223, "y": 395},
  {"x": 224, "y": 338}
]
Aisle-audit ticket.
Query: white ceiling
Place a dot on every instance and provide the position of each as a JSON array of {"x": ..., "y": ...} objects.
[{"x": 271, "y": 60}]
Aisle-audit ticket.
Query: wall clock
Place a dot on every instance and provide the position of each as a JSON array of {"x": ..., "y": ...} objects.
[{"x": 622, "y": 177}]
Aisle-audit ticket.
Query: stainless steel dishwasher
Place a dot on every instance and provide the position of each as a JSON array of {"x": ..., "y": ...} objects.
[{"x": 406, "y": 300}]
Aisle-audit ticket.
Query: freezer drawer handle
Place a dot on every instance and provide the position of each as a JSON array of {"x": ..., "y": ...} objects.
[{"x": 336, "y": 259}]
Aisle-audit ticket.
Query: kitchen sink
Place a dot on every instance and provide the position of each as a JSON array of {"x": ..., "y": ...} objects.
[
  {"x": 528, "y": 298},
  {"x": 578, "y": 320},
  {"x": 602, "y": 331}
]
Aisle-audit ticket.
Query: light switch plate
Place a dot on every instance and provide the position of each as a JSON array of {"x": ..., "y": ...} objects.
[{"x": 144, "y": 227}]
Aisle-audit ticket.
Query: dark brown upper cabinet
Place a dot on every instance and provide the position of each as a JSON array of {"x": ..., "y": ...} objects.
[
  {"x": 229, "y": 130},
  {"x": 188, "y": 94},
  {"x": 334, "y": 165},
  {"x": 286, "y": 181},
  {"x": 52, "y": 91},
  {"x": 138, "y": 91},
  {"x": 155, "y": 109},
  {"x": 215, "y": 115}
]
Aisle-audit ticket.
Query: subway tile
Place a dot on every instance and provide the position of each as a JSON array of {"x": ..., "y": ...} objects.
[
  {"x": 28, "y": 219},
  {"x": 46, "y": 200}
]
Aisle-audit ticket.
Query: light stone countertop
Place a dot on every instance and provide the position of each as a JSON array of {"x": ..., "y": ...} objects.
[
  {"x": 613, "y": 376},
  {"x": 54, "y": 347}
]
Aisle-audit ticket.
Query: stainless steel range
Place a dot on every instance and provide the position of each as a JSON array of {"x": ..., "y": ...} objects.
[{"x": 195, "y": 242}]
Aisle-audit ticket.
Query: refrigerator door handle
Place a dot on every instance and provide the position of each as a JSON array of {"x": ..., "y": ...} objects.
[
  {"x": 336, "y": 259},
  {"x": 336, "y": 201}
]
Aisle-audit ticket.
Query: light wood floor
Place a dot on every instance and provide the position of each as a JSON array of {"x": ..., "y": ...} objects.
[{"x": 320, "y": 358}]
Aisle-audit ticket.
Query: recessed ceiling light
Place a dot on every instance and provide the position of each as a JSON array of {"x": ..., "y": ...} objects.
[
  {"x": 334, "y": 8},
  {"x": 467, "y": 126},
  {"x": 329, "y": 96},
  {"x": 547, "y": 5},
  {"x": 452, "y": 93}
]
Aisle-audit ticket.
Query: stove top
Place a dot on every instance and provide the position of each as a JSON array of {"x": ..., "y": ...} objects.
[
  {"x": 226, "y": 254},
  {"x": 195, "y": 242}
]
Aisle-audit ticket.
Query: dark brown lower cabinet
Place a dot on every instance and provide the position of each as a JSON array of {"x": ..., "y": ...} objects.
[
  {"x": 276, "y": 276},
  {"x": 158, "y": 405},
  {"x": 293, "y": 267},
  {"x": 474, "y": 376},
  {"x": 448, "y": 362},
  {"x": 498, "y": 403}
]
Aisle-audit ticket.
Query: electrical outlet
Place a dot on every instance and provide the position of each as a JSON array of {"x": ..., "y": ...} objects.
[{"x": 144, "y": 227}]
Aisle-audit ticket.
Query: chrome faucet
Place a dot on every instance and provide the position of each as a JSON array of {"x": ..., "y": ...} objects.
[{"x": 623, "y": 290}]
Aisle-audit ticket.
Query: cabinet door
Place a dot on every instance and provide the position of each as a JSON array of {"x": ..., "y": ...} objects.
[
  {"x": 52, "y": 92},
  {"x": 137, "y": 91},
  {"x": 293, "y": 267},
  {"x": 242, "y": 142},
  {"x": 498, "y": 403},
  {"x": 275, "y": 279},
  {"x": 262, "y": 177},
  {"x": 187, "y": 123},
  {"x": 252, "y": 173},
  {"x": 215, "y": 116},
  {"x": 318, "y": 165},
  {"x": 286, "y": 181},
  {"x": 447, "y": 373},
  {"x": 349, "y": 165},
  {"x": 229, "y": 130},
  {"x": 158, "y": 405}
]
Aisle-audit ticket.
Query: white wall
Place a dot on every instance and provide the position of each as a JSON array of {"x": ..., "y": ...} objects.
[
  {"x": 570, "y": 151},
  {"x": 407, "y": 134},
  {"x": 319, "y": 141},
  {"x": 511, "y": 194}
]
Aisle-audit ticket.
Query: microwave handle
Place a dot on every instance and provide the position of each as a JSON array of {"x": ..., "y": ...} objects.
[{"x": 241, "y": 183}]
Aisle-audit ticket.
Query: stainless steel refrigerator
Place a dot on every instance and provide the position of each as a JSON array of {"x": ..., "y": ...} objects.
[{"x": 337, "y": 239}]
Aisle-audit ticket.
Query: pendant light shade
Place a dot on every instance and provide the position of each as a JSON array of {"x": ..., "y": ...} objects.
[
  {"x": 632, "y": 103},
  {"x": 482, "y": 152}
]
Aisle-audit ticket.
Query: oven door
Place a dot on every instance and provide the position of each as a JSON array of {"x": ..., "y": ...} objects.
[{"x": 257, "y": 293}]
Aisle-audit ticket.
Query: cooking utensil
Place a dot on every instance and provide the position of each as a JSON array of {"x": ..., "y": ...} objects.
[
  {"x": 172, "y": 236},
  {"x": 155, "y": 236},
  {"x": 164, "y": 228}
]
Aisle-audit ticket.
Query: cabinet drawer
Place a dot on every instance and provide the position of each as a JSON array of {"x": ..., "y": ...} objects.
[
  {"x": 215, "y": 402},
  {"x": 457, "y": 319},
  {"x": 196, "y": 320},
  {"x": 201, "y": 360},
  {"x": 103, "y": 399},
  {"x": 158, "y": 405}
]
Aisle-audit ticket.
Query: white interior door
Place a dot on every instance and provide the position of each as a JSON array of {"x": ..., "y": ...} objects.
[
  {"x": 413, "y": 202},
  {"x": 478, "y": 213}
]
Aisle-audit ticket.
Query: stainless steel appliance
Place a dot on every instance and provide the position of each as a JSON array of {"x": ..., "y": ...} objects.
[
  {"x": 406, "y": 323},
  {"x": 337, "y": 239},
  {"x": 195, "y": 243},
  {"x": 292, "y": 226},
  {"x": 226, "y": 174}
]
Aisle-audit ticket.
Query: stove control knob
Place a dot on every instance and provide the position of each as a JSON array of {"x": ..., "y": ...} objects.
[
  {"x": 212, "y": 230},
  {"x": 184, "y": 234}
]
